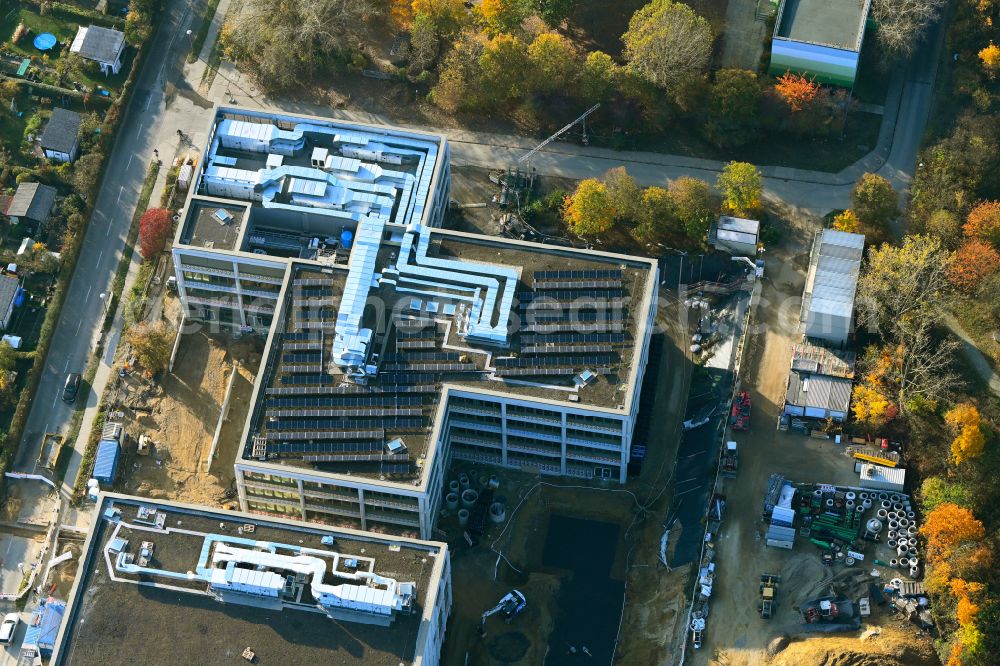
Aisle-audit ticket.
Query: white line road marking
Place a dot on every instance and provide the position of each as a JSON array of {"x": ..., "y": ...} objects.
[
  {"x": 696, "y": 453},
  {"x": 108, "y": 232},
  {"x": 689, "y": 490},
  {"x": 129, "y": 162},
  {"x": 54, "y": 398},
  {"x": 693, "y": 478},
  {"x": 78, "y": 324},
  {"x": 120, "y": 191},
  {"x": 87, "y": 297},
  {"x": 9, "y": 544},
  {"x": 148, "y": 100},
  {"x": 99, "y": 257},
  {"x": 139, "y": 131},
  {"x": 67, "y": 362}
]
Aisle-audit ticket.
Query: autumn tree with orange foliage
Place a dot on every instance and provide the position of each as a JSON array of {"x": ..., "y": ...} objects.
[
  {"x": 966, "y": 423},
  {"x": 401, "y": 14},
  {"x": 796, "y": 90},
  {"x": 955, "y": 540},
  {"x": 973, "y": 262},
  {"x": 983, "y": 223}
]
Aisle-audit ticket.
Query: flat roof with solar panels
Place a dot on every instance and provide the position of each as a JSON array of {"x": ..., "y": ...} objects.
[
  {"x": 380, "y": 313},
  {"x": 569, "y": 337},
  {"x": 167, "y": 583}
]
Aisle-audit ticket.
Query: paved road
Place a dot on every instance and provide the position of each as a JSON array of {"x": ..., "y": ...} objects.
[{"x": 79, "y": 326}]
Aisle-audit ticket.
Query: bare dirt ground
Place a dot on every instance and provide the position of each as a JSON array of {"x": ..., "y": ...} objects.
[
  {"x": 654, "y": 596},
  {"x": 183, "y": 413},
  {"x": 736, "y": 636}
]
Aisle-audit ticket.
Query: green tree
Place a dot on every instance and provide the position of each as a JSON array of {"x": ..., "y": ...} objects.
[
  {"x": 553, "y": 63},
  {"x": 598, "y": 77},
  {"x": 503, "y": 63},
  {"x": 666, "y": 42},
  {"x": 588, "y": 211},
  {"x": 500, "y": 16},
  {"x": 875, "y": 202},
  {"x": 425, "y": 44},
  {"x": 448, "y": 16},
  {"x": 656, "y": 216},
  {"x": 937, "y": 490},
  {"x": 741, "y": 187},
  {"x": 459, "y": 86},
  {"x": 692, "y": 202},
  {"x": 623, "y": 194},
  {"x": 945, "y": 225},
  {"x": 733, "y": 114},
  {"x": 554, "y": 12}
]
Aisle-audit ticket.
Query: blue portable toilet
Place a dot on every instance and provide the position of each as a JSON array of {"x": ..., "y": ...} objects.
[
  {"x": 346, "y": 239},
  {"x": 106, "y": 462},
  {"x": 19, "y": 297}
]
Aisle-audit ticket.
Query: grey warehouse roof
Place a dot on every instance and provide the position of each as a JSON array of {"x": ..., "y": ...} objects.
[
  {"x": 97, "y": 43},
  {"x": 33, "y": 201},
  {"x": 832, "y": 285},
  {"x": 8, "y": 289},
  {"x": 820, "y": 391},
  {"x": 61, "y": 132}
]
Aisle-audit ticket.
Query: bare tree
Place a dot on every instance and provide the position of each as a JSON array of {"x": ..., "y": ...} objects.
[
  {"x": 901, "y": 23},
  {"x": 282, "y": 43},
  {"x": 666, "y": 43}
]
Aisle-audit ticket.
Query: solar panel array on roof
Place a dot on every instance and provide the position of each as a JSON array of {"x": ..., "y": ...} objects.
[
  {"x": 581, "y": 284},
  {"x": 599, "y": 274},
  {"x": 572, "y": 314},
  {"x": 326, "y": 434},
  {"x": 565, "y": 349},
  {"x": 290, "y": 448},
  {"x": 536, "y": 362},
  {"x": 602, "y": 295},
  {"x": 573, "y": 338},
  {"x": 574, "y": 327}
]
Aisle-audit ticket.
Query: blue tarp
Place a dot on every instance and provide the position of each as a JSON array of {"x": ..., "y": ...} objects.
[
  {"x": 106, "y": 462},
  {"x": 44, "y": 626}
]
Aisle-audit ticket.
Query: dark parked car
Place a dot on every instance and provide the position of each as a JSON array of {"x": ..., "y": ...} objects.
[{"x": 71, "y": 387}]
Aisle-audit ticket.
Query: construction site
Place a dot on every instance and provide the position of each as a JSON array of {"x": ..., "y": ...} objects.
[
  {"x": 181, "y": 429},
  {"x": 811, "y": 551}
]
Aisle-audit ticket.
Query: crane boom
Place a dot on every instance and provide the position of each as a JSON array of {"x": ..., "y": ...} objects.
[{"x": 558, "y": 134}]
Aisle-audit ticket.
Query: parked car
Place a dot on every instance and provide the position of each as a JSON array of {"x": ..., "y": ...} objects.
[
  {"x": 71, "y": 387},
  {"x": 8, "y": 627}
]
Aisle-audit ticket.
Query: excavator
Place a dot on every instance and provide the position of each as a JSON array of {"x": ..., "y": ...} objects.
[{"x": 510, "y": 605}]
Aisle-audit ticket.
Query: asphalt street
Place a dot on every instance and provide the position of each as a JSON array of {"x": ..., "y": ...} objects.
[{"x": 78, "y": 329}]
